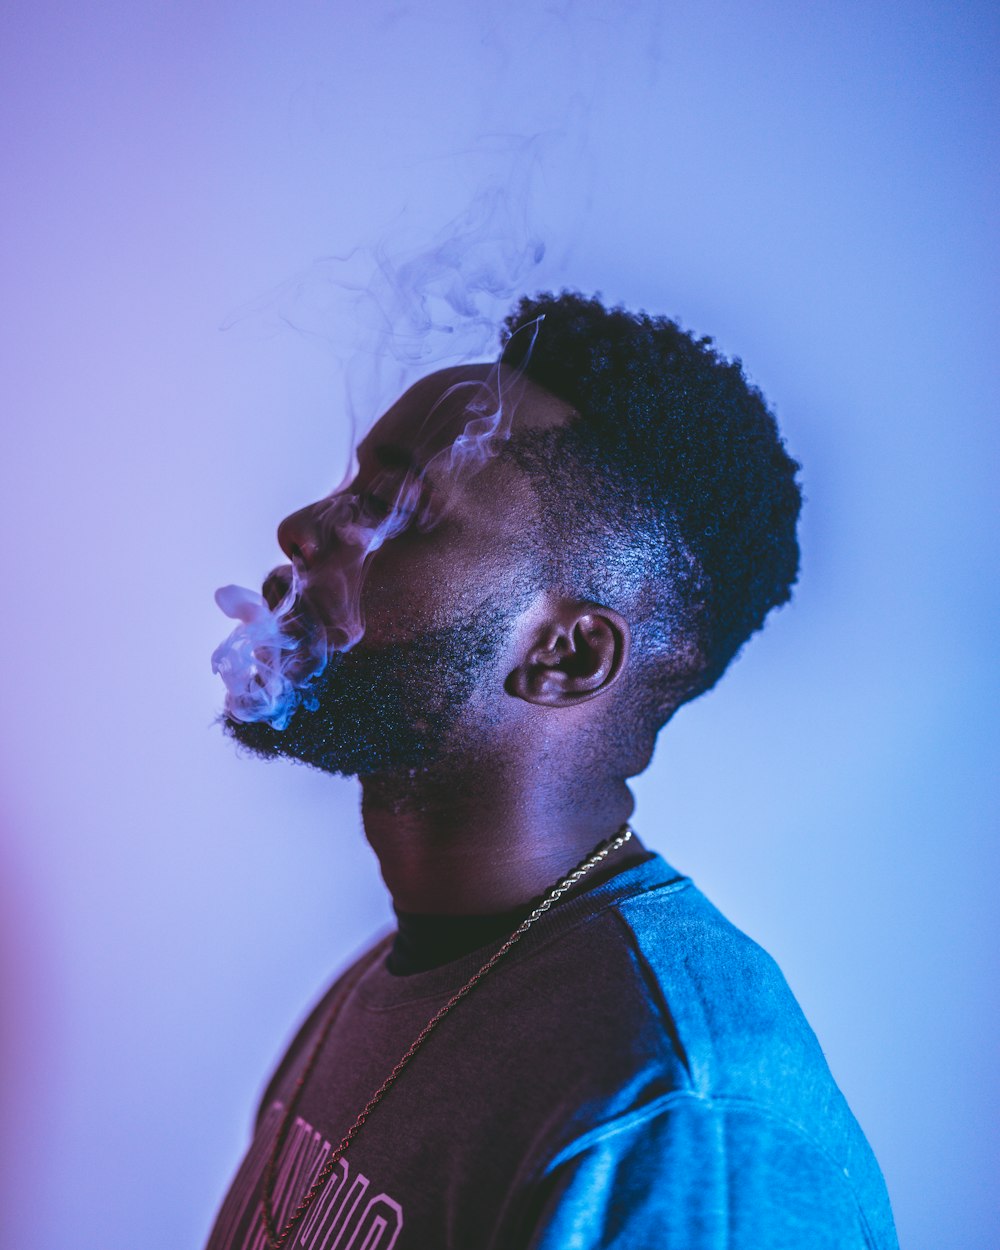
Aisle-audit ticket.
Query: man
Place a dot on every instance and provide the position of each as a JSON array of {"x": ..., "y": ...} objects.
[{"x": 536, "y": 564}]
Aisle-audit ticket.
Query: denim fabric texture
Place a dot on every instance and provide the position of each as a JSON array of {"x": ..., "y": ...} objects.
[{"x": 755, "y": 1149}]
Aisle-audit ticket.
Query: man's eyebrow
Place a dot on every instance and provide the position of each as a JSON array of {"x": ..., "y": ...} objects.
[{"x": 390, "y": 456}]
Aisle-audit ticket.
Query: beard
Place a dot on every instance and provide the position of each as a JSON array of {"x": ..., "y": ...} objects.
[{"x": 390, "y": 709}]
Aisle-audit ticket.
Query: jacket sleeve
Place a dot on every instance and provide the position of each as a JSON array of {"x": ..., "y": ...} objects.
[{"x": 688, "y": 1173}]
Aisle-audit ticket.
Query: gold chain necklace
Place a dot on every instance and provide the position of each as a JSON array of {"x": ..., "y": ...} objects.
[{"x": 276, "y": 1238}]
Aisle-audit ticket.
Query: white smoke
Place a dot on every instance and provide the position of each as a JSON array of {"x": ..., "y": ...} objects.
[{"x": 391, "y": 312}]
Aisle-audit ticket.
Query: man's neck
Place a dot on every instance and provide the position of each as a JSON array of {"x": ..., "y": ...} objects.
[{"x": 482, "y": 841}]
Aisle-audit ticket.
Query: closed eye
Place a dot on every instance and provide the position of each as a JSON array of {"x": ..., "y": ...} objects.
[
  {"x": 399, "y": 513},
  {"x": 377, "y": 507}
]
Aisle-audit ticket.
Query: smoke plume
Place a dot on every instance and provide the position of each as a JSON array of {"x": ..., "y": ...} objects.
[{"x": 391, "y": 313}]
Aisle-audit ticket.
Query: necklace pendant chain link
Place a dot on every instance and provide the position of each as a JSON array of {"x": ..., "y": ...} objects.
[{"x": 277, "y": 1238}]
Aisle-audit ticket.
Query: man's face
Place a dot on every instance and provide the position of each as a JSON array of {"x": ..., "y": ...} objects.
[{"x": 414, "y": 575}]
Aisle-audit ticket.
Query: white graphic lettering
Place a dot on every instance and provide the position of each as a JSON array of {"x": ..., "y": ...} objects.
[{"x": 337, "y": 1219}]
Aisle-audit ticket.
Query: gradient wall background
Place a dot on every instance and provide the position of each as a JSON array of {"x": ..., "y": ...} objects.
[{"x": 813, "y": 186}]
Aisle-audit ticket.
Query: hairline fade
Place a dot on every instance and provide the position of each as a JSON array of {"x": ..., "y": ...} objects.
[{"x": 671, "y": 495}]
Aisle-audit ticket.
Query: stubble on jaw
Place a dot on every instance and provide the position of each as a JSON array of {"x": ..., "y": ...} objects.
[{"x": 388, "y": 712}]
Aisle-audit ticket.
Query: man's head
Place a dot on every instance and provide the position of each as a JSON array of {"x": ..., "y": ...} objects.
[{"x": 565, "y": 550}]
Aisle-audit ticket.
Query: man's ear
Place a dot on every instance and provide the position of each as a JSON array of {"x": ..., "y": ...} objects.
[{"x": 576, "y": 653}]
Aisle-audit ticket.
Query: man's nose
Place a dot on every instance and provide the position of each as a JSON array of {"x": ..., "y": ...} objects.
[{"x": 298, "y": 536}]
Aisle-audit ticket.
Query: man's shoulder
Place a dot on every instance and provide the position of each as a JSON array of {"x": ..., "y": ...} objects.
[
  {"x": 739, "y": 1028},
  {"x": 743, "y": 1064},
  {"x": 722, "y": 985}
]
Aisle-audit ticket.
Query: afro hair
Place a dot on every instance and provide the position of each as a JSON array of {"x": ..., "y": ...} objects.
[{"x": 670, "y": 496}]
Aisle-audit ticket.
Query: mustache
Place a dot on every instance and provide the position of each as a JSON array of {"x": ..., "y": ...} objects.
[
  {"x": 276, "y": 585},
  {"x": 304, "y": 634}
]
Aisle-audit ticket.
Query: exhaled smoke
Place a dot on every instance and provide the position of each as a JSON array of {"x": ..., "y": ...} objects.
[
  {"x": 267, "y": 670},
  {"x": 415, "y": 310}
]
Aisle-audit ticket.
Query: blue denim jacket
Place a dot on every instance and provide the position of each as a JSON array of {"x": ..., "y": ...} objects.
[{"x": 756, "y": 1147}]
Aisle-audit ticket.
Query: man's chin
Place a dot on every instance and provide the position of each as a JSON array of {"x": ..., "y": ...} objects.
[{"x": 355, "y": 751}]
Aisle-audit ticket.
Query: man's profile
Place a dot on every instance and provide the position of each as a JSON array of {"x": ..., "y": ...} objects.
[{"x": 536, "y": 564}]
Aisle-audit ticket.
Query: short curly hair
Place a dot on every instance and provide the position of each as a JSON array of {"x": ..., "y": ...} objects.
[{"x": 670, "y": 497}]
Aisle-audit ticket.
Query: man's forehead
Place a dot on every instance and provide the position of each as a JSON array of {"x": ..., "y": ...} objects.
[{"x": 432, "y": 414}]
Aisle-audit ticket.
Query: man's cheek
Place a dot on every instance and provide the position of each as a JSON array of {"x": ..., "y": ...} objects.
[
  {"x": 394, "y": 611},
  {"x": 416, "y": 589}
]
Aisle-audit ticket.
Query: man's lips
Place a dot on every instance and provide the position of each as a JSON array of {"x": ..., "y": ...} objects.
[
  {"x": 297, "y": 620},
  {"x": 276, "y": 585},
  {"x": 301, "y": 620}
]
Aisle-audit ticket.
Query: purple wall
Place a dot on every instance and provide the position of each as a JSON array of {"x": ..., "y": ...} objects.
[{"x": 811, "y": 186}]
